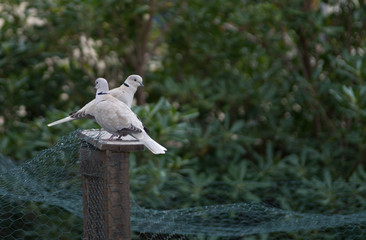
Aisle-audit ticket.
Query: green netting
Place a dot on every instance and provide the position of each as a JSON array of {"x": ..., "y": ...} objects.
[{"x": 41, "y": 198}]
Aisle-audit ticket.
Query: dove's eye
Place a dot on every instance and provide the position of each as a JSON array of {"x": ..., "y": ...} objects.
[{"x": 135, "y": 79}]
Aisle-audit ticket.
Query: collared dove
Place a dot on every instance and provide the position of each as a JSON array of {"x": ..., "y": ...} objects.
[
  {"x": 123, "y": 93},
  {"x": 117, "y": 118}
]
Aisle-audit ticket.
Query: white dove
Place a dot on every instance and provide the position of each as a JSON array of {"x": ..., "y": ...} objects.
[
  {"x": 117, "y": 118},
  {"x": 123, "y": 93}
]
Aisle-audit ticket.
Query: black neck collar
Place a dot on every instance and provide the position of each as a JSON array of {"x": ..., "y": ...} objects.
[
  {"x": 102, "y": 93},
  {"x": 126, "y": 84}
]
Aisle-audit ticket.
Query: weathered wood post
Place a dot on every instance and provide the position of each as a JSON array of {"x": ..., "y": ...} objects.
[{"x": 104, "y": 167}]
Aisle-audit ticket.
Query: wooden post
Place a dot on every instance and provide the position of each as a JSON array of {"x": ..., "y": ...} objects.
[{"x": 104, "y": 167}]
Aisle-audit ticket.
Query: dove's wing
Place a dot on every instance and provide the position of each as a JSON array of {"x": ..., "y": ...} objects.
[
  {"x": 85, "y": 112},
  {"x": 117, "y": 118},
  {"x": 137, "y": 130}
]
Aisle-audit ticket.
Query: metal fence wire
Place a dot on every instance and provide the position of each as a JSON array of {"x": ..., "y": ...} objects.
[{"x": 44, "y": 198}]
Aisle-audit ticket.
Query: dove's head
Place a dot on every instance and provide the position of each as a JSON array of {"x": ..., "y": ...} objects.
[
  {"x": 133, "y": 81},
  {"x": 101, "y": 85}
]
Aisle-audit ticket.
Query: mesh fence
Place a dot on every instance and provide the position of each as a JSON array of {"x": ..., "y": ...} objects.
[{"x": 42, "y": 199}]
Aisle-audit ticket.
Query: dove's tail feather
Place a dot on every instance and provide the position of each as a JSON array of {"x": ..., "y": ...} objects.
[
  {"x": 152, "y": 145},
  {"x": 66, "y": 119}
]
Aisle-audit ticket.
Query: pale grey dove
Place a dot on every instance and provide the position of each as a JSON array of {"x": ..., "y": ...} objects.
[
  {"x": 123, "y": 93},
  {"x": 117, "y": 118}
]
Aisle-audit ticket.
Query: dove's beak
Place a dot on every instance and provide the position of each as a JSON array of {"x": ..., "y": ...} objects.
[{"x": 142, "y": 85}]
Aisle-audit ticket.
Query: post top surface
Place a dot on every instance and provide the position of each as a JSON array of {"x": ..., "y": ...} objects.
[{"x": 99, "y": 139}]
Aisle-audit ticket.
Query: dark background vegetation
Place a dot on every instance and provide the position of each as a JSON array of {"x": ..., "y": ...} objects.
[{"x": 240, "y": 92}]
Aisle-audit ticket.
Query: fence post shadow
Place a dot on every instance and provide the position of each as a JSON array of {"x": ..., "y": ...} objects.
[{"x": 104, "y": 168}]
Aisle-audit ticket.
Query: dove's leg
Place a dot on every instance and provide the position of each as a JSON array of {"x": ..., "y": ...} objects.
[
  {"x": 111, "y": 137},
  {"x": 121, "y": 135}
]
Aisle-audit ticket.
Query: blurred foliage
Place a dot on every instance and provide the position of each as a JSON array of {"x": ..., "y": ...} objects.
[{"x": 241, "y": 92}]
